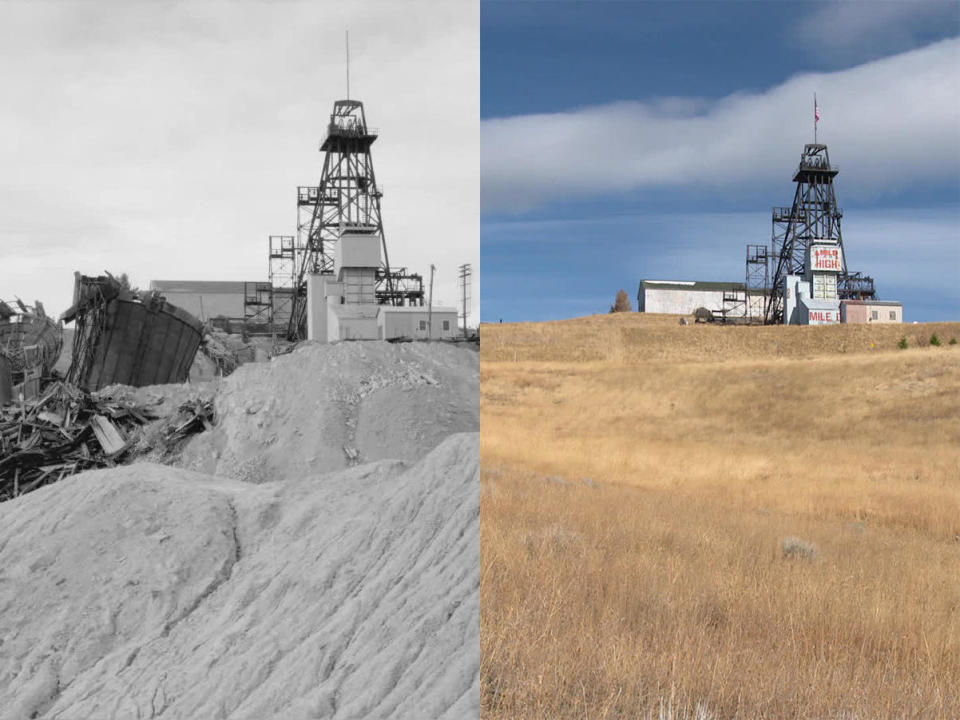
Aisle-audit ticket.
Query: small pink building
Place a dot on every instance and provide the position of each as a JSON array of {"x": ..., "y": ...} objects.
[{"x": 871, "y": 311}]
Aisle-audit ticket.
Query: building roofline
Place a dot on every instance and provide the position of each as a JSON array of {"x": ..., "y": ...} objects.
[
  {"x": 417, "y": 308},
  {"x": 891, "y": 303},
  {"x": 691, "y": 285}
]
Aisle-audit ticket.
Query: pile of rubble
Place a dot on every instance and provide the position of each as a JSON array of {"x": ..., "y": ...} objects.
[
  {"x": 67, "y": 430},
  {"x": 227, "y": 351}
]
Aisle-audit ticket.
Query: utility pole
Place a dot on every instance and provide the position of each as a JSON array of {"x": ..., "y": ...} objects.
[
  {"x": 466, "y": 272},
  {"x": 430, "y": 307}
]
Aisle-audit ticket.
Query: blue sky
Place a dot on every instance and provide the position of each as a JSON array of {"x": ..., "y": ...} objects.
[{"x": 635, "y": 140}]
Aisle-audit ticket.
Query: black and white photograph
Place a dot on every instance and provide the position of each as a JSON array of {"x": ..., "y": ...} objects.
[{"x": 239, "y": 360}]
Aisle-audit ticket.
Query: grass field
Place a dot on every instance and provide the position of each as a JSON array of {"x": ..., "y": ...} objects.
[{"x": 720, "y": 522}]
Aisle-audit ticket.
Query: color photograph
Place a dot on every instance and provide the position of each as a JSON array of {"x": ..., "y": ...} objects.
[{"x": 720, "y": 370}]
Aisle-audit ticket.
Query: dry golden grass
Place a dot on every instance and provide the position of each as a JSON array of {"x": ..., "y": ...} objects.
[
  {"x": 637, "y": 337},
  {"x": 661, "y": 583}
]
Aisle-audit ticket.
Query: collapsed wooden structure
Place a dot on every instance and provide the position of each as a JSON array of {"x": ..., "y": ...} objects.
[
  {"x": 67, "y": 430},
  {"x": 30, "y": 343}
]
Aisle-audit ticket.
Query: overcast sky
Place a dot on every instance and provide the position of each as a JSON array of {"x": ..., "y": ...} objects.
[
  {"x": 166, "y": 140},
  {"x": 649, "y": 140}
]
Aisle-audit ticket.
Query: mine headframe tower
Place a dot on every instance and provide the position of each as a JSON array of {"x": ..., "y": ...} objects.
[
  {"x": 813, "y": 216},
  {"x": 346, "y": 198}
]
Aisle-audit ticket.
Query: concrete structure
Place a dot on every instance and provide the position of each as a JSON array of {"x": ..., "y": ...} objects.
[
  {"x": 811, "y": 299},
  {"x": 799, "y": 308},
  {"x": 352, "y": 322},
  {"x": 343, "y": 305},
  {"x": 204, "y": 299},
  {"x": 871, "y": 311},
  {"x": 413, "y": 322},
  {"x": 683, "y": 297}
]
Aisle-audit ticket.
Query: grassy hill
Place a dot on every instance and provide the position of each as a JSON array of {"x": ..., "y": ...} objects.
[
  {"x": 638, "y": 337},
  {"x": 756, "y": 521}
]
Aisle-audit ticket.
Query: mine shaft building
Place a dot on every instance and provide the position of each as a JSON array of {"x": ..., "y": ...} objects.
[{"x": 801, "y": 278}]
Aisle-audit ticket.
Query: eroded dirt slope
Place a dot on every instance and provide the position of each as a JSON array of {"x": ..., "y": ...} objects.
[
  {"x": 325, "y": 407},
  {"x": 149, "y": 591}
]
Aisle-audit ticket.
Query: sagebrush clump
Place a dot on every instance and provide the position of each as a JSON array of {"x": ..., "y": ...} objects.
[{"x": 795, "y": 548}]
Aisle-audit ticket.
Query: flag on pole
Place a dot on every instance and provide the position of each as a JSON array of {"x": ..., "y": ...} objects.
[{"x": 816, "y": 116}]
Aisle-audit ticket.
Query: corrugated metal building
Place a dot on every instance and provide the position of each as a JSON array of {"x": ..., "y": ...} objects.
[
  {"x": 204, "y": 298},
  {"x": 683, "y": 297}
]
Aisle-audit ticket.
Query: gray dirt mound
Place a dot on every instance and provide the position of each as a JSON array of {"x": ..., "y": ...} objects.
[
  {"x": 149, "y": 591},
  {"x": 325, "y": 407}
]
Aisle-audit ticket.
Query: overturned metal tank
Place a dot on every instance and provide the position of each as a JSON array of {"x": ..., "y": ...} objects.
[
  {"x": 124, "y": 337},
  {"x": 30, "y": 344}
]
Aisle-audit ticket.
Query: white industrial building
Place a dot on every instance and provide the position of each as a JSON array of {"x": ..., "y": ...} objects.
[
  {"x": 684, "y": 297},
  {"x": 808, "y": 299},
  {"x": 204, "y": 299},
  {"x": 343, "y": 306},
  {"x": 210, "y": 299},
  {"x": 417, "y": 323}
]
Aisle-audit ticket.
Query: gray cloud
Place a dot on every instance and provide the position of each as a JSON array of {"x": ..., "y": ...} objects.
[
  {"x": 890, "y": 123},
  {"x": 167, "y": 140}
]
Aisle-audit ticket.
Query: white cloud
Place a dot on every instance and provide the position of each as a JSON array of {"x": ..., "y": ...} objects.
[
  {"x": 167, "y": 140},
  {"x": 889, "y": 124}
]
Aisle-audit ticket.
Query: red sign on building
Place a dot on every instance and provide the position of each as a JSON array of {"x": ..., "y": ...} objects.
[
  {"x": 823, "y": 317},
  {"x": 825, "y": 259}
]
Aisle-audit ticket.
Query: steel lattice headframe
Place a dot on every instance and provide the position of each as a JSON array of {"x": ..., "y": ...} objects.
[
  {"x": 347, "y": 197},
  {"x": 813, "y": 216}
]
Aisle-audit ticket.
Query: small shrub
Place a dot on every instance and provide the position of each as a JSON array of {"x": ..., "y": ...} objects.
[
  {"x": 902, "y": 344},
  {"x": 935, "y": 340},
  {"x": 796, "y": 549},
  {"x": 621, "y": 302},
  {"x": 953, "y": 341}
]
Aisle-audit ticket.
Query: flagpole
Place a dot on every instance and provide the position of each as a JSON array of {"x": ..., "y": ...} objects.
[{"x": 814, "y": 118}]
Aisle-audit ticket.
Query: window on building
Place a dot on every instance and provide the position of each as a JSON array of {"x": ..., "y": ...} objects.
[
  {"x": 423, "y": 325},
  {"x": 893, "y": 314},
  {"x": 446, "y": 325},
  {"x": 874, "y": 314}
]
